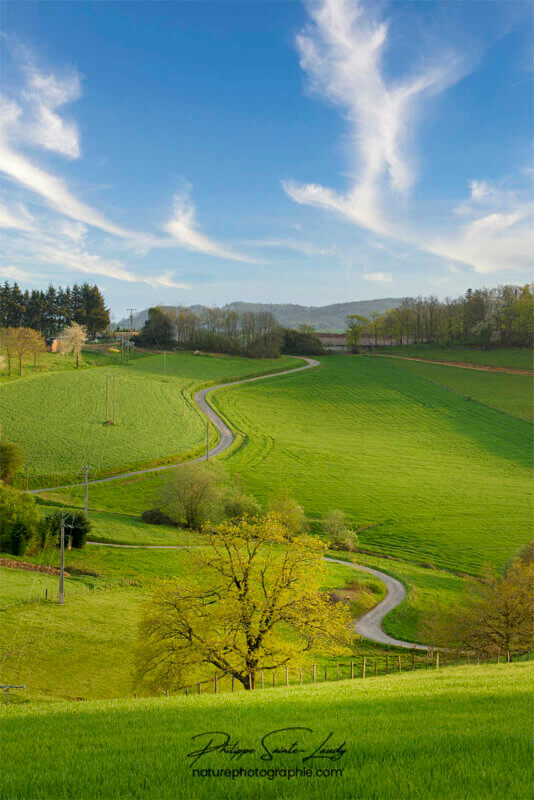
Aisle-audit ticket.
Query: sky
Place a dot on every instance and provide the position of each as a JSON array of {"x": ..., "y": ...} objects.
[{"x": 315, "y": 152}]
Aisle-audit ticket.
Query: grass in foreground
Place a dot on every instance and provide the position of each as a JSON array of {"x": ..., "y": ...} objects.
[
  {"x": 455, "y": 733},
  {"x": 512, "y": 357}
]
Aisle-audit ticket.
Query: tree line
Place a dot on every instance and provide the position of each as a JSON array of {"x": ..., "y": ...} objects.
[
  {"x": 222, "y": 330},
  {"x": 52, "y": 310},
  {"x": 503, "y": 315}
]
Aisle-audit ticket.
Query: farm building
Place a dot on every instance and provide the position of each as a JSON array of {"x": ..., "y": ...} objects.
[{"x": 333, "y": 341}]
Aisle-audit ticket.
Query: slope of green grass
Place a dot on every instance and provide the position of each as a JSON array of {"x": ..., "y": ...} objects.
[
  {"x": 513, "y": 357},
  {"x": 512, "y": 394},
  {"x": 455, "y": 733},
  {"x": 424, "y": 473},
  {"x": 58, "y": 418}
]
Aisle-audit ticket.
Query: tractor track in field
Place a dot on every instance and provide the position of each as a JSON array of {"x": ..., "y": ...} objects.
[
  {"x": 369, "y": 625},
  {"x": 460, "y": 364}
]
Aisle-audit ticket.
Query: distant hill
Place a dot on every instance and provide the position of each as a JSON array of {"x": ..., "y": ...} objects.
[{"x": 322, "y": 318}]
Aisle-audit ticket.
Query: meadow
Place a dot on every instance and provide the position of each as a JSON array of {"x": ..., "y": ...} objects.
[
  {"x": 458, "y": 732},
  {"x": 512, "y": 357},
  {"x": 59, "y": 416},
  {"x": 512, "y": 394},
  {"x": 425, "y": 474}
]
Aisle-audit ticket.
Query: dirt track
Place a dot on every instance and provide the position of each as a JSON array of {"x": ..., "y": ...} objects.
[{"x": 461, "y": 364}]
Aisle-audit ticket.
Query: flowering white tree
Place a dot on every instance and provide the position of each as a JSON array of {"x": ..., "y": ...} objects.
[{"x": 73, "y": 339}]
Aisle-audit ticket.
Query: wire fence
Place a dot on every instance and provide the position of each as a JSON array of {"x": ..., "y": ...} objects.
[{"x": 359, "y": 667}]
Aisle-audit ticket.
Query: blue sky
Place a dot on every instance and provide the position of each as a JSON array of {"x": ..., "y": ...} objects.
[{"x": 266, "y": 151}]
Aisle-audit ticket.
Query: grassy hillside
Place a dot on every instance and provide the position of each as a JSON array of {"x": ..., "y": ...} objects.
[
  {"x": 512, "y": 394},
  {"x": 513, "y": 357},
  {"x": 455, "y": 733},
  {"x": 424, "y": 473},
  {"x": 58, "y": 417},
  {"x": 85, "y": 649}
]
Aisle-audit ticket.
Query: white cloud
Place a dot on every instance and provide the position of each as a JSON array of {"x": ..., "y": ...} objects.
[
  {"x": 308, "y": 248},
  {"x": 12, "y": 273},
  {"x": 378, "y": 277},
  {"x": 45, "y": 94},
  {"x": 20, "y": 219},
  {"x": 341, "y": 51},
  {"x": 183, "y": 228},
  {"x": 81, "y": 261}
]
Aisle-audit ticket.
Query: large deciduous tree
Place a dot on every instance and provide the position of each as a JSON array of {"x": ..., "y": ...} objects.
[
  {"x": 356, "y": 326},
  {"x": 251, "y": 602}
]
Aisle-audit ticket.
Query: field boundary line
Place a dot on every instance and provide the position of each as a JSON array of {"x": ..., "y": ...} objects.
[{"x": 460, "y": 364}]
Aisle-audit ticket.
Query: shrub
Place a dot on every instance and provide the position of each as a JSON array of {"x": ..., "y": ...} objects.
[
  {"x": 19, "y": 538},
  {"x": 337, "y": 527},
  {"x": 290, "y": 513},
  {"x": 155, "y": 516},
  {"x": 10, "y": 460},
  {"x": 77, "y": 527},
  {"x": 194, "y": 495},
  {"x": 18, "y": 508},
  {"x": 238, "y": 505}
]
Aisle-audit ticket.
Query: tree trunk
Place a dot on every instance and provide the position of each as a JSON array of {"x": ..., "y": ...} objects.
[{"x": 20, "y": 365}]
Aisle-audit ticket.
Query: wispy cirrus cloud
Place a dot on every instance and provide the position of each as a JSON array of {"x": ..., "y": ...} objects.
[
  {"x": 183, "y": 228},
  {"x": 378, "y": 277},
  {"x": 33, "y": 117},
  {"x": 342, "y": 53}
]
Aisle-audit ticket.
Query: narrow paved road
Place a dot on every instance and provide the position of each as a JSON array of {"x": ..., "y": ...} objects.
[
  {"x": 370, "y": 625},
  {"x": 226, "y": 435}
]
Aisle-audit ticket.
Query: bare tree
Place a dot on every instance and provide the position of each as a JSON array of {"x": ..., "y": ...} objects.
[
  {"x": 73, "y": 339},
  {"x": 36, "y": 346}
]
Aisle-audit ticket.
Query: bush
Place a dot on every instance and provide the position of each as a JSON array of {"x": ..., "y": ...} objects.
[
  {"x": 19, "y": 538},
  {"x": 238, "y": 505},
  {"x": 337, "y": 527},
  {"x": 194, "y": 495},
  {"x": 18, "y": 509},
  {"x": 10, "y": 460},
  {"x": 291, "y": 514},
  {"x": 155, "y": 516},
  {"x": 77, "y": 527}
]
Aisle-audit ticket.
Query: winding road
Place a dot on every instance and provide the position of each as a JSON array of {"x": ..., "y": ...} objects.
[{"x": 369, "y": 625}]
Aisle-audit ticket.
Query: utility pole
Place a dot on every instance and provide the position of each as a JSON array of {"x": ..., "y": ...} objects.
[
  {"x": 131, "y": 310},
  {"x": 7, "y": 686},
  {"x": 86, "y": 490},
  {"x": 207, "y": 441},
  {"x": 114, "y": 393},
  {"x": 107, "y": 400},
  {"x": 122, "y": 348},
  {"x": 62, "y": 567},
  {"x": 164, "y": 354}
]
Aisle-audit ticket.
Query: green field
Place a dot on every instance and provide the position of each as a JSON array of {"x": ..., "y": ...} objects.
[
  {"x": 58, "y": 417},
  {"x": 512, "y": 394},
  {"x": 424, "y": 473},
  {"x": 459, "y": 732},
  {"x": 512, "y": 357}
]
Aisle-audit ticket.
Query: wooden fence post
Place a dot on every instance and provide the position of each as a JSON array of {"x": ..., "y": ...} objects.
[
  {"x": 166, "y": 692},
  {"x": 387, "y": 665},
  {"x": 314, "y": 678},
  {"x": 437, "y": 659},
  {"x": 215, "y": 684},
  {"x": 186, "y": 690},
  {"x": 250, "y": 680},
  {"x": 364, "y": 665},
  {"x": 399, "y": 662},
  {"x": 426, "y": 660},
  {"x": 287, "y": 676},
  {"x": 352, "y": 669},
  {"x": 337, "y": 671},
  {"x": 198, "y": 684},
  {"x": 413, "y": 659},
  {"x": 233, "y": 680},
  {"x": 376, "y": 667},
  {"x": 262, "y": 684},
  {"x": 273, "y": 677},
  {"x": 300, "y": 674},
  {"x": 457, "y": 657},
  {"x": 508, "y": 656},
  {"x": 325, "y": 675}
]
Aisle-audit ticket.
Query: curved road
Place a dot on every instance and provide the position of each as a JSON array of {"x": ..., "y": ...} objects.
[{"x": 369, "y": 625}]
